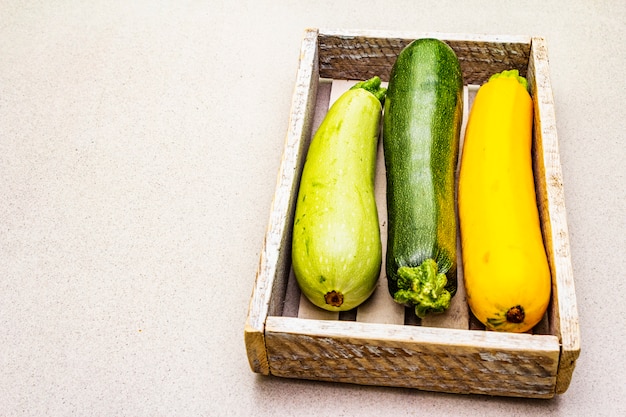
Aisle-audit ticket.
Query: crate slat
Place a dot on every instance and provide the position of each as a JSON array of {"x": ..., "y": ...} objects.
[
  {"x": 362, "y": 55},
  {"x": 380, "y": 307},
  {"x": 272, "y": 272},
  {"x": 308, "y": 310},
  {"x": 549, "y": 181},
  {"x": 426, "y": 358}
]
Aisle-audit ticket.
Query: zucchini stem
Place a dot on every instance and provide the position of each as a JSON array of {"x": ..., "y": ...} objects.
[
  {"x": 373, "y": 86},
  {"x": 515, "y": 314},
  {"x": 511, "y": 74},
  {"x": 424, "y": 288},
  {"x": 334, "y": 298}
]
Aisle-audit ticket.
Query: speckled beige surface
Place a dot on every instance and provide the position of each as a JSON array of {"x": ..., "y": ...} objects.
[{"x": 139, "y": 146}]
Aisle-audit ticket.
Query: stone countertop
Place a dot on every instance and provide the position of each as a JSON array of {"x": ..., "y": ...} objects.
[{"x": 139, "y": 147}]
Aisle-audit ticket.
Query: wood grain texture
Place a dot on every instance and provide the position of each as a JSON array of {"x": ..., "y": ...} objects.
[
  {"x": 380, "y": 344},
  {"x": 551, "y": 202},
  {"x": 431, "y": 359},
  {"x": 273, "y": 273},
  {"x": 361, "y": 55}
]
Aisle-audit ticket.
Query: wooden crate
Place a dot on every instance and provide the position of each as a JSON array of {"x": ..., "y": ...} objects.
[{"x": 381, "y": 342}]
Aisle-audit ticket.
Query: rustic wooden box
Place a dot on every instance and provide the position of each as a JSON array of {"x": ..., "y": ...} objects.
[{"x": 382, "y": 343}]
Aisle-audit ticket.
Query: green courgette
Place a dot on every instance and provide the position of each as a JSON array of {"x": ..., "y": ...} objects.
[
  {"x": 421, "y": 131},
  {"x": 336, "y": 244}
]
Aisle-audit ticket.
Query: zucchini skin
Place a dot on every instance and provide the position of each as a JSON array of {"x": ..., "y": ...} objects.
[
  {"x": 507, "y": 273},
  {"x": 421, "y": 133},
  {"x": 336, "y": 244}
]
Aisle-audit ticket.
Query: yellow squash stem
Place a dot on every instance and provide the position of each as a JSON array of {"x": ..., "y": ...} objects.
[{"x": 506, "y": 271}]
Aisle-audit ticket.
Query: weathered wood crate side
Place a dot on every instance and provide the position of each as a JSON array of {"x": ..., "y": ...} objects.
[
  {"x": 362, "y": 55},
  {"x": 428, "y": 358},
  {"x": 273, "y": 270},
  {"x": 549, "y": 183}
]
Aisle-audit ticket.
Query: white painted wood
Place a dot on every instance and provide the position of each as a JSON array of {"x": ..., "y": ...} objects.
[
  {"x": 270, "y": 278},
  {"x": 549, "y": 181},
  {"x": 377, "y": 348},
  {"x": 435, "y": 359}
]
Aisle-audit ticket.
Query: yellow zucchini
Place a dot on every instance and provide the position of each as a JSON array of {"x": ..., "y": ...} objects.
[{"x": 506, "y": 271}]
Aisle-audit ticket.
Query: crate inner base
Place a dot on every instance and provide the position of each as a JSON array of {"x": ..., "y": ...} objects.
[{"x": 380, "y": 307}]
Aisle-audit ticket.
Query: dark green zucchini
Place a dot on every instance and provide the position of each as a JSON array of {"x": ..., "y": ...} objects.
[{"x": 421, "y": 131}]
